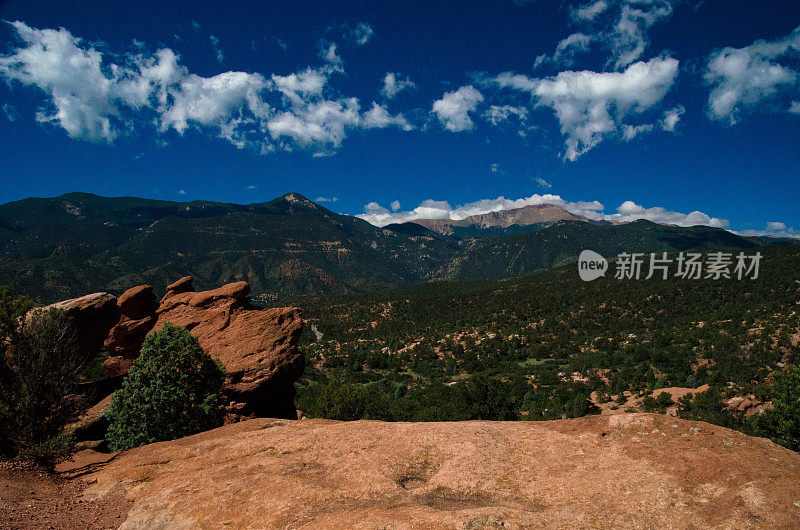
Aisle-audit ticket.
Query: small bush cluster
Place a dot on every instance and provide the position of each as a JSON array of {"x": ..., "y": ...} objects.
[
  {"x": 782, "y": 423},
  {"x": 39, "y": 366},
  {"x": 172, "y": 390},
  {"x": 658, "y": 404}
]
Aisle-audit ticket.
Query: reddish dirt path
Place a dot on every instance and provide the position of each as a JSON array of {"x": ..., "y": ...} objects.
[{"x": 34, "y": 499}]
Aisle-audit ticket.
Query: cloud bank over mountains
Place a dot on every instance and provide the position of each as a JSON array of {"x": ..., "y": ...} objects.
[
  {"x": 773, "y": 229},
  {"x": 626, "y": 212}
]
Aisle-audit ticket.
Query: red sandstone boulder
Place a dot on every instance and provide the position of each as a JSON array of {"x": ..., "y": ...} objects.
[
  {"x": 137, "y": 308},
  {"x": 230, "y": 294},
  {"x": 748, "y": 405},
  {"x": 138, "y": 302},
  {"x": 92, "y": 317},
  {"x": 181, "y": 286},
  {"x": 257, "y": 346}
]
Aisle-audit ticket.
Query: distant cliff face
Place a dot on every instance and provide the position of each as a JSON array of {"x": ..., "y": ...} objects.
[{"x": 632, "y": 471}]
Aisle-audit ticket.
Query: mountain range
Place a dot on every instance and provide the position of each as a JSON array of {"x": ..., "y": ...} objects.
[
  {"x": 56, "y": 248},
  {"x": 524, "y": 219}
]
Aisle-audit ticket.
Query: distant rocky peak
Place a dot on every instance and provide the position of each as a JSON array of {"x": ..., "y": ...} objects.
[
  {"x": 72, "y": 209},
  {"x": 526, "y": 215},
  {"x": 299, "y": 200},
  {"x": 535, "y": 214}
]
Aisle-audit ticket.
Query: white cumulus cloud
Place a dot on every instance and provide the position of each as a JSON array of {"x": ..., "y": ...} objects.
[
  {"x": 497, "y": 114},
  {"x": 361, "y": 33},
  {"x": 378, "y": 116},
  {"x": 454, "y": 108},
  {"x": 393, "y": 84},
  {"x": 85, "y": 101},
  {"x": 672, "y": 117},
  {"x": 620, "y": 27},
  {"x": 588, "y": 12},
  {"x": 628, "y": 211},
  {"x": 10, "y": 111},
  {"x": 628, "y": 36},
  {"x": 215, "y": 45},
  {"x": 763, "y": 76},
  {"x": 98, "y": 95},
  {"x": 210, "y": 101},
  {"x": 327, "y": 52},
  {"x": 591, "y": 106},
  {"x": 629, "y": 132},
  {"x": 569, "y": 48}
]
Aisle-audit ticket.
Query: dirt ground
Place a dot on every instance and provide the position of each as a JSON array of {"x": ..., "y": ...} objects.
[{"x": 31, "y": 498}]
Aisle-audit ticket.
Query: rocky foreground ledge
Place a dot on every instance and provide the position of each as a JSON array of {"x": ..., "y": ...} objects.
[{"x": 634, "y": 470}]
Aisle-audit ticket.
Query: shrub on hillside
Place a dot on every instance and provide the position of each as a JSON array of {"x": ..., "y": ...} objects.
[
  {"x": 172, "y": 390},
  {"x": 707, "y": 406},
  {"x": 782, "y": 423},
  {"x": 659, "y": 404},
  {"x": 350, "y": 401},
  {"x": 39, "y": 367}
]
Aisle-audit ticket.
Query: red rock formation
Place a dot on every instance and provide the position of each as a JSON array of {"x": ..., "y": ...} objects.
[
  {"x": 748, "y": 405},
  {"x": 137, "y": 308},
  {"x": 181, "y": 286},
  {"x": 92, "y": 316},
  {"x": 257, "y": 346}
]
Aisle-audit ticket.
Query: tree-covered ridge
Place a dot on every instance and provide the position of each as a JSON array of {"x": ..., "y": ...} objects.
[
  {"x": 67, "y": 246},
  {"x": 550, "y": 339},
  {"x": 77, "y": 243}
]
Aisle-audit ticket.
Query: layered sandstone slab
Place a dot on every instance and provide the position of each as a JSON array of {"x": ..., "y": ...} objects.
[
  {"x": 257, "y": 346},
  {"x": 637, "y": 470},
  {"x": 92, "y": 317}
]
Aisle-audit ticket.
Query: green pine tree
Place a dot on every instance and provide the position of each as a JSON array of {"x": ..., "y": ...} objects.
[{"x": 171, "y": 391}]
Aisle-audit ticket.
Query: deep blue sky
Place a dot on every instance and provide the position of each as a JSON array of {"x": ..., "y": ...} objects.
[{"x": 745, "y": 172}]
